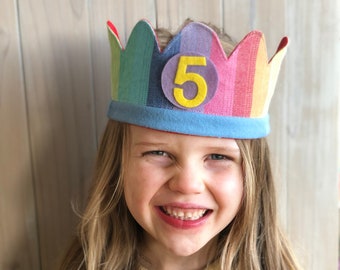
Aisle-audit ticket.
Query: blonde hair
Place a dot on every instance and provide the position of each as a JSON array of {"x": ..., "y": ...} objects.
[
  {"x": 108, "y": 236},
  {"x": 107, "y": 232},
  {"x": 254, "y": 239}
]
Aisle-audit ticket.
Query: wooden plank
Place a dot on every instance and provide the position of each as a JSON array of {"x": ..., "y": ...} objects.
[
  {"x": 136, "y": 10},
  {"x": 237, "y": 18},
  {"x": 61, "y": 114},
  {"x": 313, "y": 91},
  {"x": 305, "y": 132},
  {"x": 168, "y": 14},
  {"x": 172, "y": 13},
  {"x": 124, "y": 14},
  {"x": 18, "y": 230},
  {"x": 312, "y": 128},
  {"x": 269, "y": 18}
]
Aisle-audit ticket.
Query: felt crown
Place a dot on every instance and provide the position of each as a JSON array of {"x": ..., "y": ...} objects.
[{"x": 192, "y": 87}]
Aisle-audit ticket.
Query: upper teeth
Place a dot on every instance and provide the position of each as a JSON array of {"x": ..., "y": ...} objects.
[{"x": 184, "y": 214}]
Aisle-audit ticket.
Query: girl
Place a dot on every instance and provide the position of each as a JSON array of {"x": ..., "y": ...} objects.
[{"x": 183, "y": 179}]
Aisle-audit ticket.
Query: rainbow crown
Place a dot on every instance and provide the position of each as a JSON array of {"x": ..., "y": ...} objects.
[{"x": 192, "y": 87}]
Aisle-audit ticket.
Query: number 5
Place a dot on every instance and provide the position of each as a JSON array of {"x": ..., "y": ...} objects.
[{"x": 183, "y": 76}]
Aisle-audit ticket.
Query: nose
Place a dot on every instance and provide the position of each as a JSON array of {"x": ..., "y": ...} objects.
[{"x": 188, "y": 179}]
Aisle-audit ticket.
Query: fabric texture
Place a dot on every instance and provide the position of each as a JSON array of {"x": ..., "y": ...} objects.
[{"x": 192, "y": 87}]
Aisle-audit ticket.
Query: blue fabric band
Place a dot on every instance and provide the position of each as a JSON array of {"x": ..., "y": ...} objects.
[{"x": 188, "y": 122}]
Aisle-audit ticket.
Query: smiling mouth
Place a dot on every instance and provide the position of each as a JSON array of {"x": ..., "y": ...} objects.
[{"x": 184, "y": 214}]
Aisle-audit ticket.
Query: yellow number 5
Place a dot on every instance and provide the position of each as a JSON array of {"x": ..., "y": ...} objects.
[{"x": 183, "y": 76}]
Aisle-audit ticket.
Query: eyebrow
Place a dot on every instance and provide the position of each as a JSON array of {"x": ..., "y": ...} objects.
[
  {"x": 224, "y": 148},
  {"x": 219, "y": 148},
  {"x": 149, "y": 144}
]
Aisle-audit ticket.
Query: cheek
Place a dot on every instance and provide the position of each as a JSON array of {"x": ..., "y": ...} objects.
[
  {"x": 133, "y": 188},
  {"x": 229, "y": 192},
  {"x": 140, "y": 184},
  {"x": 140, "y": 187},
  {"x": 134, "y": 194}
]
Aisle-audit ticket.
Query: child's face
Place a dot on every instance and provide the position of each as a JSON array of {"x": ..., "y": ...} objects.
[{"x": 183, "y": 190}]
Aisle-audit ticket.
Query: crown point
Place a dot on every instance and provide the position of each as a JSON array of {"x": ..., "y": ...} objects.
[
  {"x": 283, "y": 44},
  {"x": 111, "y": 26}
]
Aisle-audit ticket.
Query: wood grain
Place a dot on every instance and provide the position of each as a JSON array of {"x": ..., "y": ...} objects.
[
  {"x": 60, "y": 109},
  {"x": 18, "y": 224},
  {"x": 55, "y": 89},
  {"x": 171, "y": 14},
  {"x": 312, "y": 126}
]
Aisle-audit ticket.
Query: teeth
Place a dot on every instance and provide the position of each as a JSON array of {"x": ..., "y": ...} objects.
[{"x": 184, "y": 214}]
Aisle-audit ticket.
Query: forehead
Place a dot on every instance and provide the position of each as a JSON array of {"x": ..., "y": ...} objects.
[{"x": 142, "y": 135}]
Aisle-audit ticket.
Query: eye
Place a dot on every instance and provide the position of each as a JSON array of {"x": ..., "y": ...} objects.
[
  {"x": 219, "y": 157},
  {"x": 156, "y": 153},
  {"x": 220, "y": 162},
  {"x": 158, "y": 158}
]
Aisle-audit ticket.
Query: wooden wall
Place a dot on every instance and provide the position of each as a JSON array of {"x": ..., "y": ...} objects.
[{"x": 54, "y": 92}]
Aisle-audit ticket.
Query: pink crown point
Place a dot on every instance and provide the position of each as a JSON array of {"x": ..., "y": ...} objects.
[{"x": 247, "y": 78}]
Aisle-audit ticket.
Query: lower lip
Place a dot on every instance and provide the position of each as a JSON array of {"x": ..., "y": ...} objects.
[{"x": 182, "y": 224}]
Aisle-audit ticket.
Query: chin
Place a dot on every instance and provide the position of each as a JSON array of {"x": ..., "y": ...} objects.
[{"x": 183, "y": 249}]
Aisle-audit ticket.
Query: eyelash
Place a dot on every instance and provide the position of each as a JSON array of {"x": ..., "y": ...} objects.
[
  {"x": 165, "y": 154},
  {"x": 219, "y": 157},
  {"x": 156, "y": 153}
]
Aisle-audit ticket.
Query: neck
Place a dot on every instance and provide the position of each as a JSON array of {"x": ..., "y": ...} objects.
[
  {"x": 146, "y": 264},
  {"x": 156, "y": 258}
]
